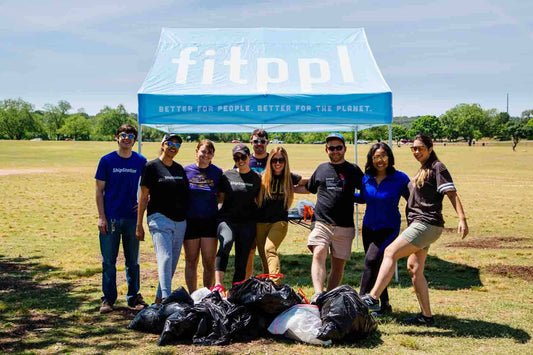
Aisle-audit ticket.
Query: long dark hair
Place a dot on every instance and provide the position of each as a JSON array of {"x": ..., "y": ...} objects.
[
  {"x": 424, "y": 171},
  {"x": 369, "y": 167}
]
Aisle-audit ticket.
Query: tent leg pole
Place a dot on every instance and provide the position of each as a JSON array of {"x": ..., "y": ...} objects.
[
  {"x": 139, "y": 137},
  {"x": 356, "y": 205},
  {"x": 396, "y": 278}
]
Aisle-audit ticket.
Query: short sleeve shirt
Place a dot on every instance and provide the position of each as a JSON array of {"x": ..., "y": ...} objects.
[
  {"x": 203, "y": 185},
  {"x": 273, "y": 209},
  {"x": 258, "y": 165},
  {"x": 425, "y": 203},
  {"x": 169, "y": 189},
  {"x": 240, "y": 191},
  {"x": 121, "y": 176},
  {"x": 335, "y": 185}
]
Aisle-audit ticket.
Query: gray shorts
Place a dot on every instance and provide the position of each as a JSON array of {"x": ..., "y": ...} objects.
[{"x": 421, "y": 234}]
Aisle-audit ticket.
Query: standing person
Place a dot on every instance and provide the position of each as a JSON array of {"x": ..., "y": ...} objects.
[
  {"x": 117, "y": 183},
  {"x": 383, "y": 186},
  {"x": 334, "y": 183},
  {"x": 201, "y": 232},
  {"x": 165, "y": 192},
  {"x": 275, "y": 198},
  {"x": 425, "y": 225},
  {"x": 239, "y": 189}
]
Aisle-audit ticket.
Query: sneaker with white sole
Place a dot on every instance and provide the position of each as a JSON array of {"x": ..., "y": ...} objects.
[
  {"x": 106, "y": 307},
  {"x": 371, "y": 303}
]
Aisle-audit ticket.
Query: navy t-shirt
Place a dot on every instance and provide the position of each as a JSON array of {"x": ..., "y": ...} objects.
[
  {"x": 121, "y": 176},
  {"x": 258, "y": 165},
  {"x": 273, "y": 209},
  {"x": 335, "y": 185},
  {"x": 203, "y": 185},
  {"x": 169, "y": 189}
]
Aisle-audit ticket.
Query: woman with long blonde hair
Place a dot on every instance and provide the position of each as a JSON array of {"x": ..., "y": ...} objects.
[{"x": 274, "y": 200}]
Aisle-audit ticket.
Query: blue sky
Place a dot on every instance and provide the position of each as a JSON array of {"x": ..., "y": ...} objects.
[{"x": 433, "y": 54}]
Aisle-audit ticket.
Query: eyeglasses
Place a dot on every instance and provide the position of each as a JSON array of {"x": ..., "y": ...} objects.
[
  {"x": 333, "y": 148},
  {"x": 236, "y": 158},
  {"x": 421, "y": 149},
  {"x": 380, "y": 157},
  {"x": 277, "y": 160},
  {"x": 130, "y": 136},
  {"x": 259, "y": 141},
  {"x": 171, "y": 144}
]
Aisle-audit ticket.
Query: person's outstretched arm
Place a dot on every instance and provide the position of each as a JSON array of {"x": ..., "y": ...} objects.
[{"x": 462, "y": 228}]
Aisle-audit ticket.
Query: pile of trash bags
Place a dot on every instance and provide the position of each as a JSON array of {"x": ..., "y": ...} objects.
[{"x": 256, "y": 308}]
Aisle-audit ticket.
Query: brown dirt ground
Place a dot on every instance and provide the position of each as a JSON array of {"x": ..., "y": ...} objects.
[
  {"x": 512, "y": 271},
  {"x": 491, "y": 243}
]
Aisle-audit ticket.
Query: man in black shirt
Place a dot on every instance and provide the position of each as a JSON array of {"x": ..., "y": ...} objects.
[{"x": 334, "y": 183}]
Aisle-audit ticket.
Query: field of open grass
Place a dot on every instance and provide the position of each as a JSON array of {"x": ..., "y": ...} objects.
[{"x": 481, "y": 288}]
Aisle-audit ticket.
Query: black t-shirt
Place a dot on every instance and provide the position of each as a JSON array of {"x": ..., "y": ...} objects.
[
  {"x": 425, "y": 203},
  {"x": 335, "y": 185},
  {"x": 169, "y": 189},
  {"x": 240, "y": 191},
  {"x": 273, "y": 210}
]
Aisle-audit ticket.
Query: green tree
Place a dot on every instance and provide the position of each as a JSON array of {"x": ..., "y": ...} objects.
[
  {"x": 77, "y": 127},
  {"x": 429, "y": 125},
  {"x": 16, "y": 119},
  {"x": 467, "y": 120},
  {"x": 518, "y": 129},
  {"x": 55, "y": 116},
  {"x": 399, "y": 132},
  {"x": 109, "y": 119},
  {"x": 527, "y": 115}
]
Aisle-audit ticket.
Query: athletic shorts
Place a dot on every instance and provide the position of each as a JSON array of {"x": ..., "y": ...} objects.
[
  {"x": 201, "y": 228},
  {"x": 421, "y": 234},
  {"x": 338, "y": 239}
]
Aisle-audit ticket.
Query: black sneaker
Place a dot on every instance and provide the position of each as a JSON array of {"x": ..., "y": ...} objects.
[
  {"x": 384, "y": 311},
  {"x": 421, "y": 319},
  {"x": 137, "y": 302},
  {"x": 371, "y": 303}
]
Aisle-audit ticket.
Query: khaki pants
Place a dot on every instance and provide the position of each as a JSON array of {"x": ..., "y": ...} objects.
[{"x": 268, "y": 238}]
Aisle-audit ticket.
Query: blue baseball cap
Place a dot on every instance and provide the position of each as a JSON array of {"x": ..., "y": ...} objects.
[{"x": 335, "y": 136}]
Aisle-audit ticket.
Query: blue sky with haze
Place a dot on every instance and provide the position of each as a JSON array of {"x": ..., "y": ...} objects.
[{"x": 433, "y": 54}]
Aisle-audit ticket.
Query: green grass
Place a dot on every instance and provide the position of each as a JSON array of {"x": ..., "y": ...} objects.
[{"x": 50, "y": 261}]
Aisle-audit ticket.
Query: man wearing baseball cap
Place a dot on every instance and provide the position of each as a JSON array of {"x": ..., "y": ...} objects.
[{"x": 334, "y": 183}]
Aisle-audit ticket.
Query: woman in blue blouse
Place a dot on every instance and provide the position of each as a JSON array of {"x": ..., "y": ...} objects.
[{"x": 383, "y": 186}]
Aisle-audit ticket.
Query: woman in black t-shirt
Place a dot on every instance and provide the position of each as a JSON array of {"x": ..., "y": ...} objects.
[
  {"x": 164, "y": 183},
  {"x": 424, "y": 217},
  {"x": 274, "y": 200}
]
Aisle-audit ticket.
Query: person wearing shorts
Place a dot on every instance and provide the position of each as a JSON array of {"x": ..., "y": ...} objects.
[
  {"x": 201, "y": 232},
  {"x": 334, "y": 183},
  {"x": 425, "y": 225}
]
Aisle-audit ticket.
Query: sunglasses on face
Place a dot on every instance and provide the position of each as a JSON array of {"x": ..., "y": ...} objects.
[
  {"x": 420, "y": 149},
  {"x": 259, "y": 141},
  {"x": 236, "y": 158},
  {"x": 171, "y": 144},
  {"x": 333, "y": 148},
  {"x": 380, "y": 157},
  {"x": 130, "y": 136},
  {"x": 277, "y": 160}
]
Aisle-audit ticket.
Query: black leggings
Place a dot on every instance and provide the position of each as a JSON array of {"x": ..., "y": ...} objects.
[
  {"x": 244, "y": 236},
  {"x": 375, "y": 242}
]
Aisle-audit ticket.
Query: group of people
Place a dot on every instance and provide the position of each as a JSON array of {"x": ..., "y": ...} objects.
[{"x": 182, "y": 207}]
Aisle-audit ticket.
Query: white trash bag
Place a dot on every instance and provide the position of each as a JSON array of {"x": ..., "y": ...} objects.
[
  {"x": 199, "y": 294},
  {"x": 300, "y": 322}
]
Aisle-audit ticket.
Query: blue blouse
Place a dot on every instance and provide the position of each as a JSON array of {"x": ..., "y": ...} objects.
[{"x": 382, "y": 200}]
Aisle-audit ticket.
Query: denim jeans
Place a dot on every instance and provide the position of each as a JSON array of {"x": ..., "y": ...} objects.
[
  {"x": 109, "y": 245},
  {"x": 167, "y": 236}
]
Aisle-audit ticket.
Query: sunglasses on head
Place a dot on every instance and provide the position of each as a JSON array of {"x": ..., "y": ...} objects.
[
  {"x": 277, "y": 160},
  {"x": 333, "y": 148},
  {"x": 243, "y": 157},
  {"x": 171, "y": 144},
  {"x": 125, "y": 135},
  {"x": 259, "y": 141},
  {"x": 420, "y": 149}
]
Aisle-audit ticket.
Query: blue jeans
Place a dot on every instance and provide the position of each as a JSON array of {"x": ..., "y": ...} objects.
[
  {"x": 167, "y": 236},
  {"x": 109, "y": 246}
]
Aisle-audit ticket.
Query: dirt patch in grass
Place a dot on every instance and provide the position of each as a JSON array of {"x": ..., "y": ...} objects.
[
  {"x": 512, "y": 271},
  {"x": 4, "y": 172},
  {"x": 491, "y": 243}
]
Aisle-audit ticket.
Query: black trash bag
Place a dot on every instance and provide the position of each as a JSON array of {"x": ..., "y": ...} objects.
[
  {"x": 180, "y": 295},
  {"x": 264, "y": 295},
  {"x": 221, "y": 322},
  {"x": 180, "y": 326},
  {"x": 168, "y": 309},
  {"x": 148, "y": 320},
  {"x": 344, "y": 315}
]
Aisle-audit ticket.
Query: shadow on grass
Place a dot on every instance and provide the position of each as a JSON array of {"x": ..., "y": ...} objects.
[{"x": 453, "y": 327}]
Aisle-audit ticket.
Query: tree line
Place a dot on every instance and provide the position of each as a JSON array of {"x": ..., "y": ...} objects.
[{"x": 466, "y": 122}]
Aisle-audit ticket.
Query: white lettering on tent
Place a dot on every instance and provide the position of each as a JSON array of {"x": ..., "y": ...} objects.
[
  {"x": 263, "y": 77},
  {"x": 346, "y": 67},
  {"x": 183, "y": 64},
  {"x": 235, "y": 63},
  {"x": 209, "y": 67},
  {"x": 304, "y": 66}
]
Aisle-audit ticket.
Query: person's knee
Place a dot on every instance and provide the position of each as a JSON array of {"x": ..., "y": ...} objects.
[
  {"x": 390, "y": 253},
  {"x": 372, "y": 261},
  {"x": 414, "y": 270}
]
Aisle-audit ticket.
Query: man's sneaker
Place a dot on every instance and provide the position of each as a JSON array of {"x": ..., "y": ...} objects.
[
  {"x": 220, "y": 289},
  {"x": 421, "y": 319},
  {"x": 137, "y": 302},
  {"x": 384, "y": 310},
  {"x": 315, "y": 297},
  {"x": 106, "y": 307},
  {"x": 371, "y": 303}
]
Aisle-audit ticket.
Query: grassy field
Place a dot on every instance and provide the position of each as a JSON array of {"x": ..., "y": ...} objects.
[{"x": 50, "y": 267}]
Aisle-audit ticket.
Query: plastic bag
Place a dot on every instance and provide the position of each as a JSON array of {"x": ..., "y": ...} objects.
[
  {"x": 179, "y": 295},
  {"x": 168, "y": 309},
  {"x": 148, "y": 320},
  {"x": 181, "y": 325},
  {"x": 344, "y": 315},
  {"x": 199, "y": 294},
  {"x": 300, "y": 322}
]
